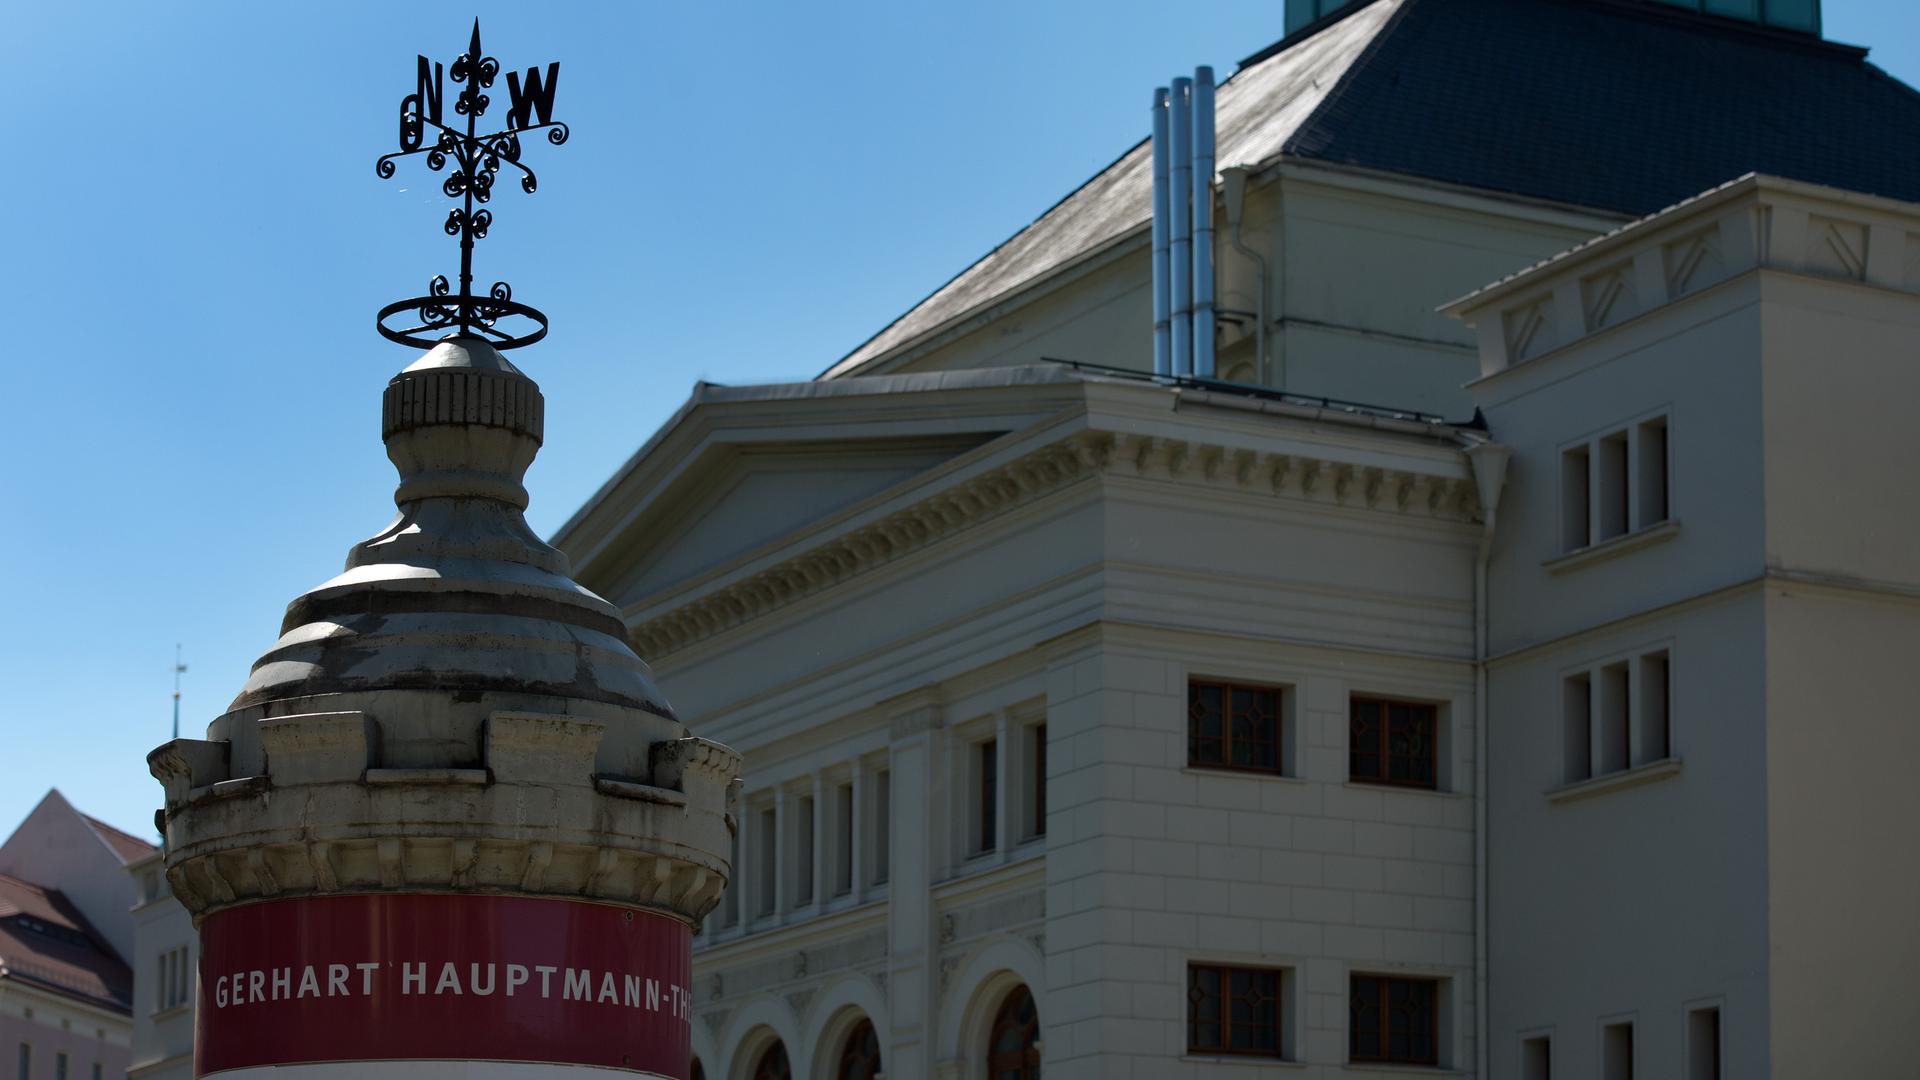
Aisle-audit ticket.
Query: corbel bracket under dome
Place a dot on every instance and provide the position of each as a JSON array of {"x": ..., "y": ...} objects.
[{"x": 1447, "y": 495}]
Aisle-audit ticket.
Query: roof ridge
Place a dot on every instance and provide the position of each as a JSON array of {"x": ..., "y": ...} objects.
[{"x": 99, "y": 826}]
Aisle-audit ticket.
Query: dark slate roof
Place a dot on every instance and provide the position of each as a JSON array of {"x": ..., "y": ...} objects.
[
  {"x": 1618, "y": 105},
  {"x": 1621, "y": 106}
]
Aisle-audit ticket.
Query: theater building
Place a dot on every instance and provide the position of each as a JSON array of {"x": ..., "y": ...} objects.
[{"x": 1487, "y": 679}]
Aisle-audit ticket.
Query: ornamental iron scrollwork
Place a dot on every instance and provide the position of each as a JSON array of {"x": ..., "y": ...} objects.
[{"x": 472, "y": 162}]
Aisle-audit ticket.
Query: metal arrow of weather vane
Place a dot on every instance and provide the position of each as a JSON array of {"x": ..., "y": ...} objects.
[{"x": 476, "y": 159}]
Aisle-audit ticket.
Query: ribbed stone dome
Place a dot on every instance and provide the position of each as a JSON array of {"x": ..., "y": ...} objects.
[{"x": 457, "y": 595}]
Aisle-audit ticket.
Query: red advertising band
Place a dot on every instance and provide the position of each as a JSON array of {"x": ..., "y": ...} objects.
[{"x": 446, "y": 977}]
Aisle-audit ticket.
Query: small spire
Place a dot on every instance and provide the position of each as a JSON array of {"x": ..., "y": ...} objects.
[{"x": 473, "y": 46}]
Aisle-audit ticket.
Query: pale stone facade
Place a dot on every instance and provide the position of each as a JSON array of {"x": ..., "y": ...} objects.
[
  {"x": 163, "y": 1003},
  {"x": 924, "y": 569}
]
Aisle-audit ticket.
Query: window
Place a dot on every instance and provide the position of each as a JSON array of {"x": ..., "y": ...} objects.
[
  {"x": 882, "y": 824},
  {"x": 173, "y": 980},
  {"x": 986, "y": 795},
  {"x": 1233, "y": 726},
  {"x": 1614, "y": 484},
  {"x": 26, "y": 1062},
  {"x": 1615, "y": 715},
  {"x": 1233, "y": 1010},
  {"x": 842, "y": 839},
  {"x": 773, "y": 1064},
  {"x": 1393, "y": 1021},
  {"x": 98, "y": 1070},
  {"x": 1703, "y": 1044},
  {"x": 1536, "y": 1058},
  {"x": 1013, "y": 1046},
  {"x": 1037, "y": 790},
  {"x": 1394, "y": 742},
  {"x": 769, "y": 868},
  {"x": 730, "y": 901},
  {"x": 1616, "y": 1051},
  {"x": 803, "y": 851},
  {"x": 59, "y": 1067},
  {"x": 860, "y": 1055}
]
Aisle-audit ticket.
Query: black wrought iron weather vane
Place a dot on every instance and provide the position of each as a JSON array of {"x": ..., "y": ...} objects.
[{"x": 477, "y": 160}]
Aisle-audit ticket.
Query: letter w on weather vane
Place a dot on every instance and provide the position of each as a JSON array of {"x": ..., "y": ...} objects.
[{"x": 476, "y": 159}]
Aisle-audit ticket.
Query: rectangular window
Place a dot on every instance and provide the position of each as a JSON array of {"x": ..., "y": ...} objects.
[
  {"x": 1233, "y": 1010},
  {"x": 987, "y": 794},
  {"x": 1393, "y": 742},
  {"x": 59, "y": 1067},
  {"x": 1038, "y": 794},
  {"x": 1575, "y": 532},
  {"x": 1536, "y": 1058},
  {"x": 1394, "y": 1021},
  {"x": 1616, "y": 716},
  {"x": 25, "y": 1070},
  {"x": 1616, "y": 1051},
  {"x": 1577, "y": 724},
  {"x": 767, "y": 838},
  {"x": 882, "y": 824},
  {"x": 1652, "y": 478},
  {"x": 98, "y": 1070},
  {"x": 1703, "y": 1044},
  {"x": 842, "y": 839},
  {"x": 1653, "y": 708},
  {"x": 1612, "y": 750},
  {"x": 1233, "y": 726},
  {"x": 1615, "y": 484},
  {"x": 803, "y": 851},
  {"x": 730, "y": 902}
]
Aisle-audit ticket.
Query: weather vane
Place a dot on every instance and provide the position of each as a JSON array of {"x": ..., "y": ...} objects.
[{"x": 476, "y": 160}]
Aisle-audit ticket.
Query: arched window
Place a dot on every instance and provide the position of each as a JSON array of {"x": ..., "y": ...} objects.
[
  {"x": 1013, "y": 1049},
  {"x": 860, "y": 1057},
  {"x": 698, "y": 1073},
  {"x": 773, "y": 1064}
]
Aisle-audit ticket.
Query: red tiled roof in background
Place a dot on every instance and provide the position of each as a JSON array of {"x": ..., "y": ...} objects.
[
  {"x": 46, "y": 942},
  {"x": 129, "y": 847}
]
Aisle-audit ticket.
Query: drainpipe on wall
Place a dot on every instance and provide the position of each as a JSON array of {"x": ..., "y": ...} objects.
[
  {"x": 1489, "y": 461},
  {"x": 1234, "y": 193}
]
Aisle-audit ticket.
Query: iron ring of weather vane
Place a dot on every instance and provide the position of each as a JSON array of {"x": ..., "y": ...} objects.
[{"x": 476, "y": 160}]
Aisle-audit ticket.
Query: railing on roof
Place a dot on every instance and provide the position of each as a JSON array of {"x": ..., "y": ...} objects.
[{"x": 1262, "y": 393}]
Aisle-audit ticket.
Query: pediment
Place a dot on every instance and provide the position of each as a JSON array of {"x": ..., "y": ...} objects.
[{"x": 750, "y": 496}]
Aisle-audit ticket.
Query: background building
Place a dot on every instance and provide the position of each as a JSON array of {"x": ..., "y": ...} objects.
[
  {"x": 1160, "y": 728},
  {"x": 166, "y": 951},
  {"x": 66, "y": 992}
]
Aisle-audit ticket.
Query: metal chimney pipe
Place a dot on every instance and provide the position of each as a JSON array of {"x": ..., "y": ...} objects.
[
  {"x": 1180, "y": 218},
  {"x": 1162, "y": 288},
  {"x": 1203, "y": 135}
]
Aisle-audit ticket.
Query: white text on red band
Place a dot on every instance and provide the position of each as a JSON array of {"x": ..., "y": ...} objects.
[{"x": 481, "y": 980}]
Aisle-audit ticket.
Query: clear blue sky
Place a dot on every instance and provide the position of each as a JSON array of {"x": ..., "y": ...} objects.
[{"x": 195, "y": 243}]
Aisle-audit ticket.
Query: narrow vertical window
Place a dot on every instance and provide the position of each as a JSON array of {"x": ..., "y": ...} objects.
[
  {"x": 1576, "y": 711},
  {"x": 1038, "y": 796},
  {"x": 1575, "y": 523},
  {"x": 803, "y": 851},
  {"x": 1536, "y": 1058},
  {"x": 882, "y": 825},
  {"x": 1655, "y": 743},
  {"x": 1393, "y": 742},
  {"x": 1393, "y": 1021},
  {"x": 1703, "y": 1044},
  {"x": 25, "y": 1071},
  {"x": 987, "y": 768},
  {"x": 60, "y": 1066},
  {"x": 1612, "y": 487},
  {"x": 1651, "y": 484},
  {"x": 98, "y": 1070},
  {"x": 769, "y": 860},
  {"x": 730, "y": 901},
  {"x": 1613, "y": 749},
  {"x": 842, "y": 839},
  {"x": 1616, "y": 1052}
]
